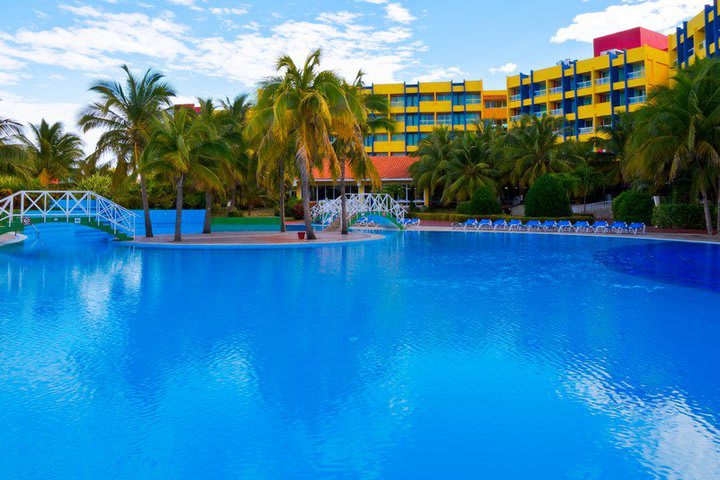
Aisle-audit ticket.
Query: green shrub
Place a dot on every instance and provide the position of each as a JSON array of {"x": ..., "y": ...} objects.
[
  {"x": 98, "y": 183},
  {"x": 463, "y": 208},
  {"x": 297, "y": 211},
  {"x": 455, "y": 217},
  {"x": 633, "y": 206},
  {"x": 680, "y": 216},
  {"x": 485, "y": 202},
  {"x": 16, "y": 184},
  {"x": 234, "y": 213},
  {"x": 547, "y": 198}
]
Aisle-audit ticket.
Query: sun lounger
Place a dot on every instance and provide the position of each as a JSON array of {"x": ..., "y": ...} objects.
[
  {"x": 500, "y": 225},
  {"x": 470, "y": 223},
  {"x": 565, "y": 226},
  {"x": 636, "y": 228},
  {"x": 549, "y": 225},
  {"x": 485, "y": 224},
  {"x": 598, "y": 227},
  {"x": 533, "y": 225},
  {"x": 619, "y": 227},
  {"x": 514, "y": 225},
  {"x": 582, "y": 226}
]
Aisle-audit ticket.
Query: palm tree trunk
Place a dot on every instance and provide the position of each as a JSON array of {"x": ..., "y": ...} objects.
[
  {"x": 233, "y": 196},
  {"x": 179, "y": 208},
  {"x": 706, "y": 209},
  {"x": 207, "y": 227},
  {"x": 281, "y": 190},
  {"x": 718, "y": 207},
  {"x": 146, "y": 208},
  {"x": 305, "y": 187},
  {"x": 343, "y": 201}
]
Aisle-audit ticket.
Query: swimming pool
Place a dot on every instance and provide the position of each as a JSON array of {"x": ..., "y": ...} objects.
[{"x": 425, "y": 355}]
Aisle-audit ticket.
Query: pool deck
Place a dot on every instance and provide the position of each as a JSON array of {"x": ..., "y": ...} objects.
[
  {"x": 11, "y": 239},
  {"x": 254, "y": 239}
]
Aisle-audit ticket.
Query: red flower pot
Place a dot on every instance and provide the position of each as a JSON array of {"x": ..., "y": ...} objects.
[{"x": 301, "y": 235}]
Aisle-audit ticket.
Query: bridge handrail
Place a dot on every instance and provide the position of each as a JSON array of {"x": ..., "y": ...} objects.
[
  {"x": 67, "y": 203},
  {"x": 327, "y": 211}
]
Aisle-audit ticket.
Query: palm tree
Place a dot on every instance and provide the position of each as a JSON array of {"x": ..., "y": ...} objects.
[
  {"x": 470, "y": 165},
  {"x": 532, "y": 149},
  {"x": 179, "y": 147},
  {"x": 298, "y": 106},
  {"x": 615, "y": 141},
  {"x": 53, "y": 153},
  {"x": 432, "y": 150},
  {"x": 12, "y": 156},
  {"x": 239, "y": 170},
  {"x": 125, "y": 113},
  {"x": 677, "y": 132},
  {"x": 370, "y": 113}
]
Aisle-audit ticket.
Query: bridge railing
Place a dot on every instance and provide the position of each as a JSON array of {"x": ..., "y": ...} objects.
[
  {"x": 327, "y": 211},
  {"x": 67, "y": 204}
]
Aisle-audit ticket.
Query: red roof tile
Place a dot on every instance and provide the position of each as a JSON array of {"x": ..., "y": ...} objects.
[{"x": 389, "y": 168}]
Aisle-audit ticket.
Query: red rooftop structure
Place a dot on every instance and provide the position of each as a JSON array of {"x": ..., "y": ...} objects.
[{"x": 633, "y": 38}]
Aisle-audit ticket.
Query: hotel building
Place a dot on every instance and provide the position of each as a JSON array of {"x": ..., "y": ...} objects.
[{"x": 696, "y": 38}]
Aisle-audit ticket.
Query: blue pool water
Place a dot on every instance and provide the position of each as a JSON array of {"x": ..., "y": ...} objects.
[{"x": 421, "y": 356}]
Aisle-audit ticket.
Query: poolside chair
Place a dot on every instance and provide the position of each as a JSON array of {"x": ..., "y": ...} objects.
[
  {"x": 411, "y": 222},
  {"x": 533, "y": 225},
  {"x": 549, "y": 225},
  {"x": 500, "y": 225},
  {"x": 636, "y": 228},
  {"x": 470, "y": 223},
  {"x": 565, "y": 226},
  {"x": 601, "y": 226},
  {"x": 582, "y": 226},
  {"x": 485, "y": 224},
  {"x": 515, "y": 225},
  {"x": 619, "y": 227}
]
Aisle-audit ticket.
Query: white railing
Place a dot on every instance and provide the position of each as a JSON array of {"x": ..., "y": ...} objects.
[
  {"x": 540, "y": 93},
  {"x": 602, "y": 81},
  {"x": 558, "y": 112},
  {"x": 586, "y": 84},
  {"x": 636, "y": 74},
  {"x": 637, "y": 99},
  {"x": 67, "y": 204},
  {"x": 555, "y": 90},
  {"x": 515, "y": 98},
  {"x": 586, "y": 130},
  {"x": 328, "y": 211},
  {"x": 515, "y": 118}
]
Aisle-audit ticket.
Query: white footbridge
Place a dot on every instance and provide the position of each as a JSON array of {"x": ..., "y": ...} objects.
[
  {"x": 327, "y": 212},
  {"x": 70, "y": 206}
]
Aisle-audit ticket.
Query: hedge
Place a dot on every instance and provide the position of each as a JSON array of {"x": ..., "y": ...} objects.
[
  {"x": 547, "y": 197},
  {"x": 456, "y": 218},
  {"x": 681, "y": 216},
  {"x": 633, "y": 206}
]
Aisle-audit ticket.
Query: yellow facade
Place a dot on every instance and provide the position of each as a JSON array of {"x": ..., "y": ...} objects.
[
  {"x": 697, "y": 38},
  {"x": 588, "y": 93},
  {"x": 421, "y": 107}
]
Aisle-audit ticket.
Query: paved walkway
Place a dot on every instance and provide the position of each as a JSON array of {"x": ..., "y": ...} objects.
[
  {"x": 255, "y": 239},
  {"x": 11, "y": 238}
]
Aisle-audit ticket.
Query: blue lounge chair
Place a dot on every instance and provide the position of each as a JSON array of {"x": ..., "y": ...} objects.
[
  {"x": 533, "y": 225},
  {"x": 499, "y": 225},
  {"x": 636, "y": 228},
  {"x": 549, "y": 225},
  {"x": 565, "y": 225},
  {"x": 515, "y": 225},
  {"x": 470, "y": 223},
  {"x": 411, "y": 222},
  {"x": 485, "y": 224},
  {"x": 601, "y": 226},
  {"x": 582, "y": 226},
  {"x": 619, "y": 227}
]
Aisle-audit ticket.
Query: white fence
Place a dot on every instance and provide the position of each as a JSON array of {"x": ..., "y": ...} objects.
[
  {"x": 44, "y": 204},
  {"x": 328, "y": 211}
]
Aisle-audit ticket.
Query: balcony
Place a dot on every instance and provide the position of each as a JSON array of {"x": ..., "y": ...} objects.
[
  {"x": 540, "y": 93},
  {"x": 636, "y": 74},
  {"x": 558, "y": 112},
  {"x": 515, "y": 98},
  {"x": 637, "y": 99},
  {"x": 602, "y": 81},
  {"x": 515, "y": 118},
  {"x": 555, "y": 90},
  {"x": 540, "y": 114},
  {"x": 586, "y": 84},
  {"x": 586, "y": 130}
]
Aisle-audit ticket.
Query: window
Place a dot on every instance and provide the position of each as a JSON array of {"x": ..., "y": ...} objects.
[
  {"x": 397, "y": 100},
  {"x": 423, "y": 136},
  {"x": 411, "y": 101},
  {"x": 398, "y": 137},
  {"x": 458, "y": 119},
  {"x": 458, "y": 99},
  {"x": 381, "y": 137},
  {"x": 444, "y": 119},
  {"x": 397, "y": 154},
  {"x": 427, "y": 97},
  {"x": 495, "y": 104},
  {"x": 368, "y": 141},
  {"x": 444, "y": 97},
  {"x": 427, "y": 119},
  {"x": 472, "y": 118},
  {"x": 411, "y": 120},
  {"x": 473, "y": 98},
  {"x": 412, "y": 139},
  {"x": 399, "y": 118}
]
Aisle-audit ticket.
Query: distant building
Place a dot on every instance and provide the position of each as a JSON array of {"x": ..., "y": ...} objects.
[{"x": 697, "y": 38}]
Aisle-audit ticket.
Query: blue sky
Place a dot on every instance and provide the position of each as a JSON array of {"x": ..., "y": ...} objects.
[{"x": 50, "y": 51}]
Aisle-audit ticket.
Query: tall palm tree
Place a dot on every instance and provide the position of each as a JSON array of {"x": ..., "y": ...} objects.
[
  {"x": 239, "y": 170},
  {"x": 125, "y": 112},
  {"x": 615, "y": 142},
  {"x": 179, "y": 148},
  {"x": 432, "y": 150},
  {"x": 471, "y": 164},
  {"x": 532, "y": 149},
  {"x": 298, "y": 106},
  {"x": 12, "y": 156},
  {"x": 677, "y": 132},
  {"x": 53, "y": 153},
  {"x": 370, "y": 113}
]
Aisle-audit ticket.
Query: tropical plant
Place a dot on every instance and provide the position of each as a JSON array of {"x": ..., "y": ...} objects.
[
  {"x": 241, "y": 168},
  {"x": 484, "y": 202},
  {"x": 547, "y": 198},
  {"x": 532, "y": 149},
  {"x": 299, "y": 107},
  {"x": 633, "y": 206},
  {"x": 125, "y": 112},
  {"x": 432, "y": 150},
  {"x": 614, "y": 143},
  {"x": 12, "y": 156},
  {"x": 677, "y": 132},
  {"x": 53, "y": 153}
]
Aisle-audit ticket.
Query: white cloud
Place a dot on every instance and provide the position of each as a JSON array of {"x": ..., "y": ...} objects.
[
  {"x": 506, "y": 69},
  {"x": 228, "y": 11},
  {"x": 441, "y": 74},
  {"x": 397, "y": 13},
  {"x": 659, "y": 15}
]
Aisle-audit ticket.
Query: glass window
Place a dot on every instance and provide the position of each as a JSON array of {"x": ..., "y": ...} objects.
[
  {"x": 398, "y": 137},
  {"x": 427, "y": 97},
  {"x": 444, "y": 119},
  {"x": 412, "y": 139},
  {"x": 473, "y": 98},
  {"x": 458, "y": 118},
  {"x": 427, "y": 119},
  {"x": 411, "y": 120},
  {"x": 397, "y": 100},
  {"x": 458, "y": 99},
  {"x": 495, "y": 104},
  {"x": 444, "y": 97},
  {"x": 381, "y": 137},
  {"x": 399, "y": 118},
  {"x": 423, "y": 136},
  {"x": 368, "y": 142},
  {"x": 411, "y": 101},
  {"x": 472, "y": 118}
]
